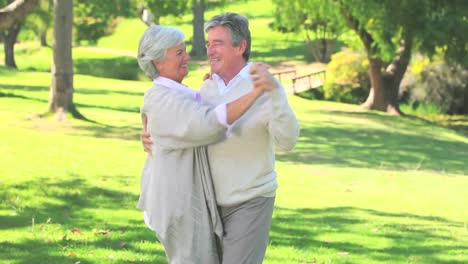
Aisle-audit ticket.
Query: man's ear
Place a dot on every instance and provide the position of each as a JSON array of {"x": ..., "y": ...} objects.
[{"x": 243, "y": 46}]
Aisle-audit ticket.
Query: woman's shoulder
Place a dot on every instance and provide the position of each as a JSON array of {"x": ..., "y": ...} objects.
[{"x": 163, "y": 96}]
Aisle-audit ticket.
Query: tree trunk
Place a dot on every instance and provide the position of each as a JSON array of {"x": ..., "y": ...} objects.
[
  {"x": 376, "y": 98},
  {"x": 61, "y": 88},
  {"x": 321, "y": 49},
  {"x": 198, "y": 42},
  {"x": 383, "y": 95},
  {"x": 16, "y": 11},
  {"x": 9, "y": 39},
  {"x": 43, "y": 38}
]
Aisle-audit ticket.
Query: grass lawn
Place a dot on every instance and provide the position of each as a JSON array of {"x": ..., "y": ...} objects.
[{"x": 360, "y": 186}]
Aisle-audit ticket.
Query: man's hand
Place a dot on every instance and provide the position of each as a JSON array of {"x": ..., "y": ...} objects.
[
  {"x": 145, "y": 137},
  {"x": 261, "y": 77}
]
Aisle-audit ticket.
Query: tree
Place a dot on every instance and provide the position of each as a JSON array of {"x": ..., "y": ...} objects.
[
  {"x": 320, "y": 25},
  {"x": 15, "y": 11},
  {"x": 198, "y": 41},
  {"x": 40, "y": 21},
  {"x": 61, "y": 88},
  {"x": 92, "y": 19},
  {"x": 390, "y": 30},
  {"x": 11, "y": 19},
  {"x": 161, "y": 8}
]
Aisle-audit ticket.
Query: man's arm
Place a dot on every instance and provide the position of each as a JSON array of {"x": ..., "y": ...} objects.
[{"x": 283, "y": 124}]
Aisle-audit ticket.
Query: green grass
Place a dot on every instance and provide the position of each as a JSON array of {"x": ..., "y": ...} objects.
[{"x": 360, "y": 187}]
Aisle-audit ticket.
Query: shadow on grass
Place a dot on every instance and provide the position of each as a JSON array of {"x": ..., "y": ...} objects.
[
  {"x": 39, "y": 88},
  {"x": 124, "y": 68},
  {"x": 99, "y": 129},
  {"x": 105, "y": 218},
  {"x": 377, "y": 236},
  {"x": 328, "y": 142},
  {"x": 109, "y": 131},
  {"x": 458, "y": 124},
  {"x": 19, "y": 90},
  {"x": 297, "y": 50}
]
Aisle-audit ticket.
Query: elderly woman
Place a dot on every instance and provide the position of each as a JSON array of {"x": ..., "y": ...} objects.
[{"x": 177, "y": 196}]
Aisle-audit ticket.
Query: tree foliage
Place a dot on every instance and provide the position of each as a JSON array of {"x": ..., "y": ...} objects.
[
  {"x": 95, "y": 18},
  {"x": 390, "y": 30},
  {"x": 431, "y": 24},
  {"x": 319, "y": 24},
  {"x": 161, "y": 8},
  {"x": 40, "y": 21},
  {"x": 12, "y": 18},
  {"x": 16, "y": 11}
]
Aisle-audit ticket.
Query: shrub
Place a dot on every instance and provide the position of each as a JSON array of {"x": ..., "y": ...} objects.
[
  {"x": 347, "y": 77},
  {"x": 443, "y": 85}
]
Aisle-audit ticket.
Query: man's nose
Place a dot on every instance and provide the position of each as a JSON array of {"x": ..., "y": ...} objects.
[{"x": 209, "y": 51}]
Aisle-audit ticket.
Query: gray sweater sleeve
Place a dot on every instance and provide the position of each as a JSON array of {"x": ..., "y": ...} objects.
[
  {"x": 177, "y": 121},
  {"x": 283, "y": 125}
]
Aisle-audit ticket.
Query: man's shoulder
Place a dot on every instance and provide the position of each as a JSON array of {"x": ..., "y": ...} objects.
[{"x": 209, "y": 84}]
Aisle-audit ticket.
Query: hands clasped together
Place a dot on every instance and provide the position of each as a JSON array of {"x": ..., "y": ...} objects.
[{"x": 261, "y": 77}]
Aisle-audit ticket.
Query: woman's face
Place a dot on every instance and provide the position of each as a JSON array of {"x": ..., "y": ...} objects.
[{"x": 174, "y": 65}]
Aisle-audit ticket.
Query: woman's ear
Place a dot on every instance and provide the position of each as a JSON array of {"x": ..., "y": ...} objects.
[{"x": 155, "y": 64}]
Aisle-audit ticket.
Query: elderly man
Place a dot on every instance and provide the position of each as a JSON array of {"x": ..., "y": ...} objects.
[{"x": 243, "y": 165}]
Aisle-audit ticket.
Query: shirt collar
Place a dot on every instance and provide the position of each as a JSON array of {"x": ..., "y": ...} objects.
[
  {"x": 242, "y": 75},
  {"x": 169, "y": 83}
]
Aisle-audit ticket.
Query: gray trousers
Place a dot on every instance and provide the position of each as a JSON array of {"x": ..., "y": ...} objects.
[{"x": 246, "y": 231}]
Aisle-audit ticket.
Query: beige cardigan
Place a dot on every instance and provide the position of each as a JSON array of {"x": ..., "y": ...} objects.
[
  {"x": 243, "y": 166},
  {"x": 176, "y": 187}
]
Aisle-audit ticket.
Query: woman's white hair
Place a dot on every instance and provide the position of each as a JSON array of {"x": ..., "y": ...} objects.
[{"x": 153, "y": 46}]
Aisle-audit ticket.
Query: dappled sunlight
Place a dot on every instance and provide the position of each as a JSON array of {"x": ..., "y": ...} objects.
[
  {"x": 367, "y": 139},
  {"x": 76, "y": 215},
  {"x": 365, "y": 234}
]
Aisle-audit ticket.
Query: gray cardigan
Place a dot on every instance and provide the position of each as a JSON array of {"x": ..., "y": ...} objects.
[{"x": 176, "y": 187}]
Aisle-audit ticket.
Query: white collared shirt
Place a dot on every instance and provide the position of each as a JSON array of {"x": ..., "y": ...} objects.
[{"x": 243, "y": 74}]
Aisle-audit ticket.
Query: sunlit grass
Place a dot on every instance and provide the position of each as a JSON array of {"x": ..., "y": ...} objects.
[{"x": 360, "y": 187}]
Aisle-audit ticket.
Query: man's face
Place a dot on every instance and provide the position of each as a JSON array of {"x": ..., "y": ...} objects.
[
  {"x": 223, "y": 57},
  {"x": 174, "y": 65}
]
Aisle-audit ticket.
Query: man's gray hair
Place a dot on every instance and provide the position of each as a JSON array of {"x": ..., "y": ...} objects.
[
  {"x": 238, "y": 26},
  {"x": 153, "y": 46}
]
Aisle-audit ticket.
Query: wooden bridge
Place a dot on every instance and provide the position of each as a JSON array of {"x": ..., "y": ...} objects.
[{"x": 294, "y": 83}]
